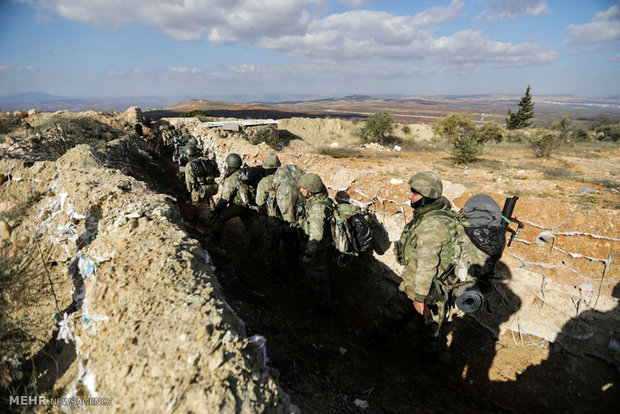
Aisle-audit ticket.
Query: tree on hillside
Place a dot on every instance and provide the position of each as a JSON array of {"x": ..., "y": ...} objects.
[
  {"x": 521, "y": 119},
  {"x": 377, "y": 128},
  {"x": 461, "y": 132}
]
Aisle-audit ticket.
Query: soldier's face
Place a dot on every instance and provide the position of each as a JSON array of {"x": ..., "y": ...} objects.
[
  {"x": 304, "y": 192},
  {"x": 414, "y": 197}
]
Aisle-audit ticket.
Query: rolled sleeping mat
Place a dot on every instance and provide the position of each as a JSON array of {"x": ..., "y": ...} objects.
[{"x": 469, "y": 298}]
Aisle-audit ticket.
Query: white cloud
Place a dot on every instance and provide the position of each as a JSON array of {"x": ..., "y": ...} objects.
[
  {"x": 8, "y": 68},
  {"x": 184, "y": 69},
  {"x": 294, "y": 28},
  {"x": 511, "y": 9},
  {"x": 472, "y": 47},
  {"x": 364, "y": 34},
  {"x": 115, "y": 73},
  {"x": 245, "y": 68},
  {"x": 615, "y": 58},
  {"x": 359, "y": 3},
  {"x": 603, "y": 28},
  {"x": 438, "y": 14},
  {"x": 223, "y": 20}
]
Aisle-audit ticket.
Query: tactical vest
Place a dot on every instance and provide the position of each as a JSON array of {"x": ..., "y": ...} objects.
[
  {"x": 409, "y": 237},
  {"x": 322, "y": 200}
]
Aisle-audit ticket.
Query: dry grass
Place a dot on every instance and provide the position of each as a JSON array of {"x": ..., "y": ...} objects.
[{"x": 340, "y": 152}]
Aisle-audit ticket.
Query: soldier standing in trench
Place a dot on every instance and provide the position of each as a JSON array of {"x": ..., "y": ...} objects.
[
  {"x": 315, "y": 222},
  {"x": 425, "y": 249},
  {"x": 231, "y": 204},
  {"x": 266, "y": 202},
  {"x": 200, "y": 175}
]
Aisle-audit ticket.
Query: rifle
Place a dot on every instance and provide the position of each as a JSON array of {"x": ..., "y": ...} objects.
[{"x": 509, "y": 206}]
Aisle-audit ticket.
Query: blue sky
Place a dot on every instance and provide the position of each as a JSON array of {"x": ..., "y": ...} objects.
[{"x": 200, "y": 48}]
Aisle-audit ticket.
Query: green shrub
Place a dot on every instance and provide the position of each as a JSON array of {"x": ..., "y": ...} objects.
[
  {"x": 544, "y": 141},
  {"x": 516, "y": 136},
  {"x": 460, "y": 131},
  {"x": 194, "y": 114},
  {"x": 266, "y": 135},
  {"x": 8, "y": 123},
  {"x": 377, "y": 127},
  {"x": 492, "y": 131},
  {"x": 608, "y": 132}
]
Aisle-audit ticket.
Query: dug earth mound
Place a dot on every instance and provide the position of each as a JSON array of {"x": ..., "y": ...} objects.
[{"x": 94, "y": 232}]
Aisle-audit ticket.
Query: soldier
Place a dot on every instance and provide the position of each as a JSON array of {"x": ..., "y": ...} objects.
[
  {"x": 426, "y": 249},
  {"x": 230, "y": 204},
  {"x": 315, "y": 221},
  {"x": 200, "y": 175},
  {"x": 276, "y": 230}
]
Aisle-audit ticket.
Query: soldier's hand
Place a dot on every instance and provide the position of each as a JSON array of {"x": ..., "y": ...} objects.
[
  {"x": 306, "y": 259},
  {"x": 419, "y": 307}
]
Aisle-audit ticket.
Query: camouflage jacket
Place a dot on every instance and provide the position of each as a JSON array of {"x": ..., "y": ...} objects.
[
  {"x": 428, "y": 247},
  {"x": 315, "y": 221},
  {"x": 230, "y": 195},
  {"x": 266, "y": 196}
]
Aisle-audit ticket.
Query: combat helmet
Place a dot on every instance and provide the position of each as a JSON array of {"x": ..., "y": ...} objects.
[
  {"x": 233, "y": 161},
  {"x": 426, "y": 184},
  {"x": 190, "y": 150},
  {"x": 271, "y": 160},
  {"x": 192, "y": 141},
  {"x": 311, "y": 182}
]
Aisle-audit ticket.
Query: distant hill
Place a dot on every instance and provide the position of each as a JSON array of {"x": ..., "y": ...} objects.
[
  {"x": 45, "y": 102},
  {"x": 405, "y": 109}
]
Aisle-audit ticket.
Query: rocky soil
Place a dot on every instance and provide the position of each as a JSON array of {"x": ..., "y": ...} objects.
[{"x": 94, "y": 226}]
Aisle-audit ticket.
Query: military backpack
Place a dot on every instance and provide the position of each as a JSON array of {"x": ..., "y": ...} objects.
[
  {"x": 479, "y": 242},
  {"x": 355, "y": 231},
  {"x": 286, "y": 192}
]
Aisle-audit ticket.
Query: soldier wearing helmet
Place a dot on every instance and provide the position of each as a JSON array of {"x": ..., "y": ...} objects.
[
  {"x": 426, "y": 249},
  {"x": 200, "y": 174},
  {"x": 315, "y": 222},
  {"x": 230, "y": 204},
  {"x": 276, "y": 232}
]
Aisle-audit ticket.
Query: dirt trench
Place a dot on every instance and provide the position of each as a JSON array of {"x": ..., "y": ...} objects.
[
  {"x": 171, "y": 336},
  {"x": 326, "y": 368}
]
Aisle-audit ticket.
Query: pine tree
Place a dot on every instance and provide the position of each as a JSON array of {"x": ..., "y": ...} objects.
[{"x": 521, "y": 119}]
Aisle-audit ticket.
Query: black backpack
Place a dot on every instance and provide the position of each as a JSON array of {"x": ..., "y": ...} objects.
[
  {"x": 362, "y": 239},
  {"x": 251, "y": 176},
  {"x": 203, "y": 169}
]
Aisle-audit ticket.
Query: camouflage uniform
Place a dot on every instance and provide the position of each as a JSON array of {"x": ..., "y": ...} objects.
[
  {"x": 277, "y": 230},
  {"x": 315, "y": 221},
  {"x": 202, "y": 190},
  {"x": 231, "y": 204},
  {"x": 427, "y": 250}
]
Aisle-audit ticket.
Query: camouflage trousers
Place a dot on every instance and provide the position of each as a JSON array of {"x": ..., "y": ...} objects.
[
  {"x": 279, "y": 235},
  {"x": 430, "y": 327},
  {"x": 318, "y": 273},
  {"x": 202, "y": 207}
]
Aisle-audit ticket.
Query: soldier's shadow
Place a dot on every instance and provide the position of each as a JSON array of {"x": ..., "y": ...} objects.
[
  {"x": 475, "y": 337},
  {"x": 580, "y": 374}
]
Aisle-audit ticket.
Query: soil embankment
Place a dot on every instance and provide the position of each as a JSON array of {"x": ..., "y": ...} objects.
[{"x": 99, "y": 233}]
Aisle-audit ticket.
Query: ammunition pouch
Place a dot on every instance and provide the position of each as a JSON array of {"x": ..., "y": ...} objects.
[{"x": 398, "y": 253}]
